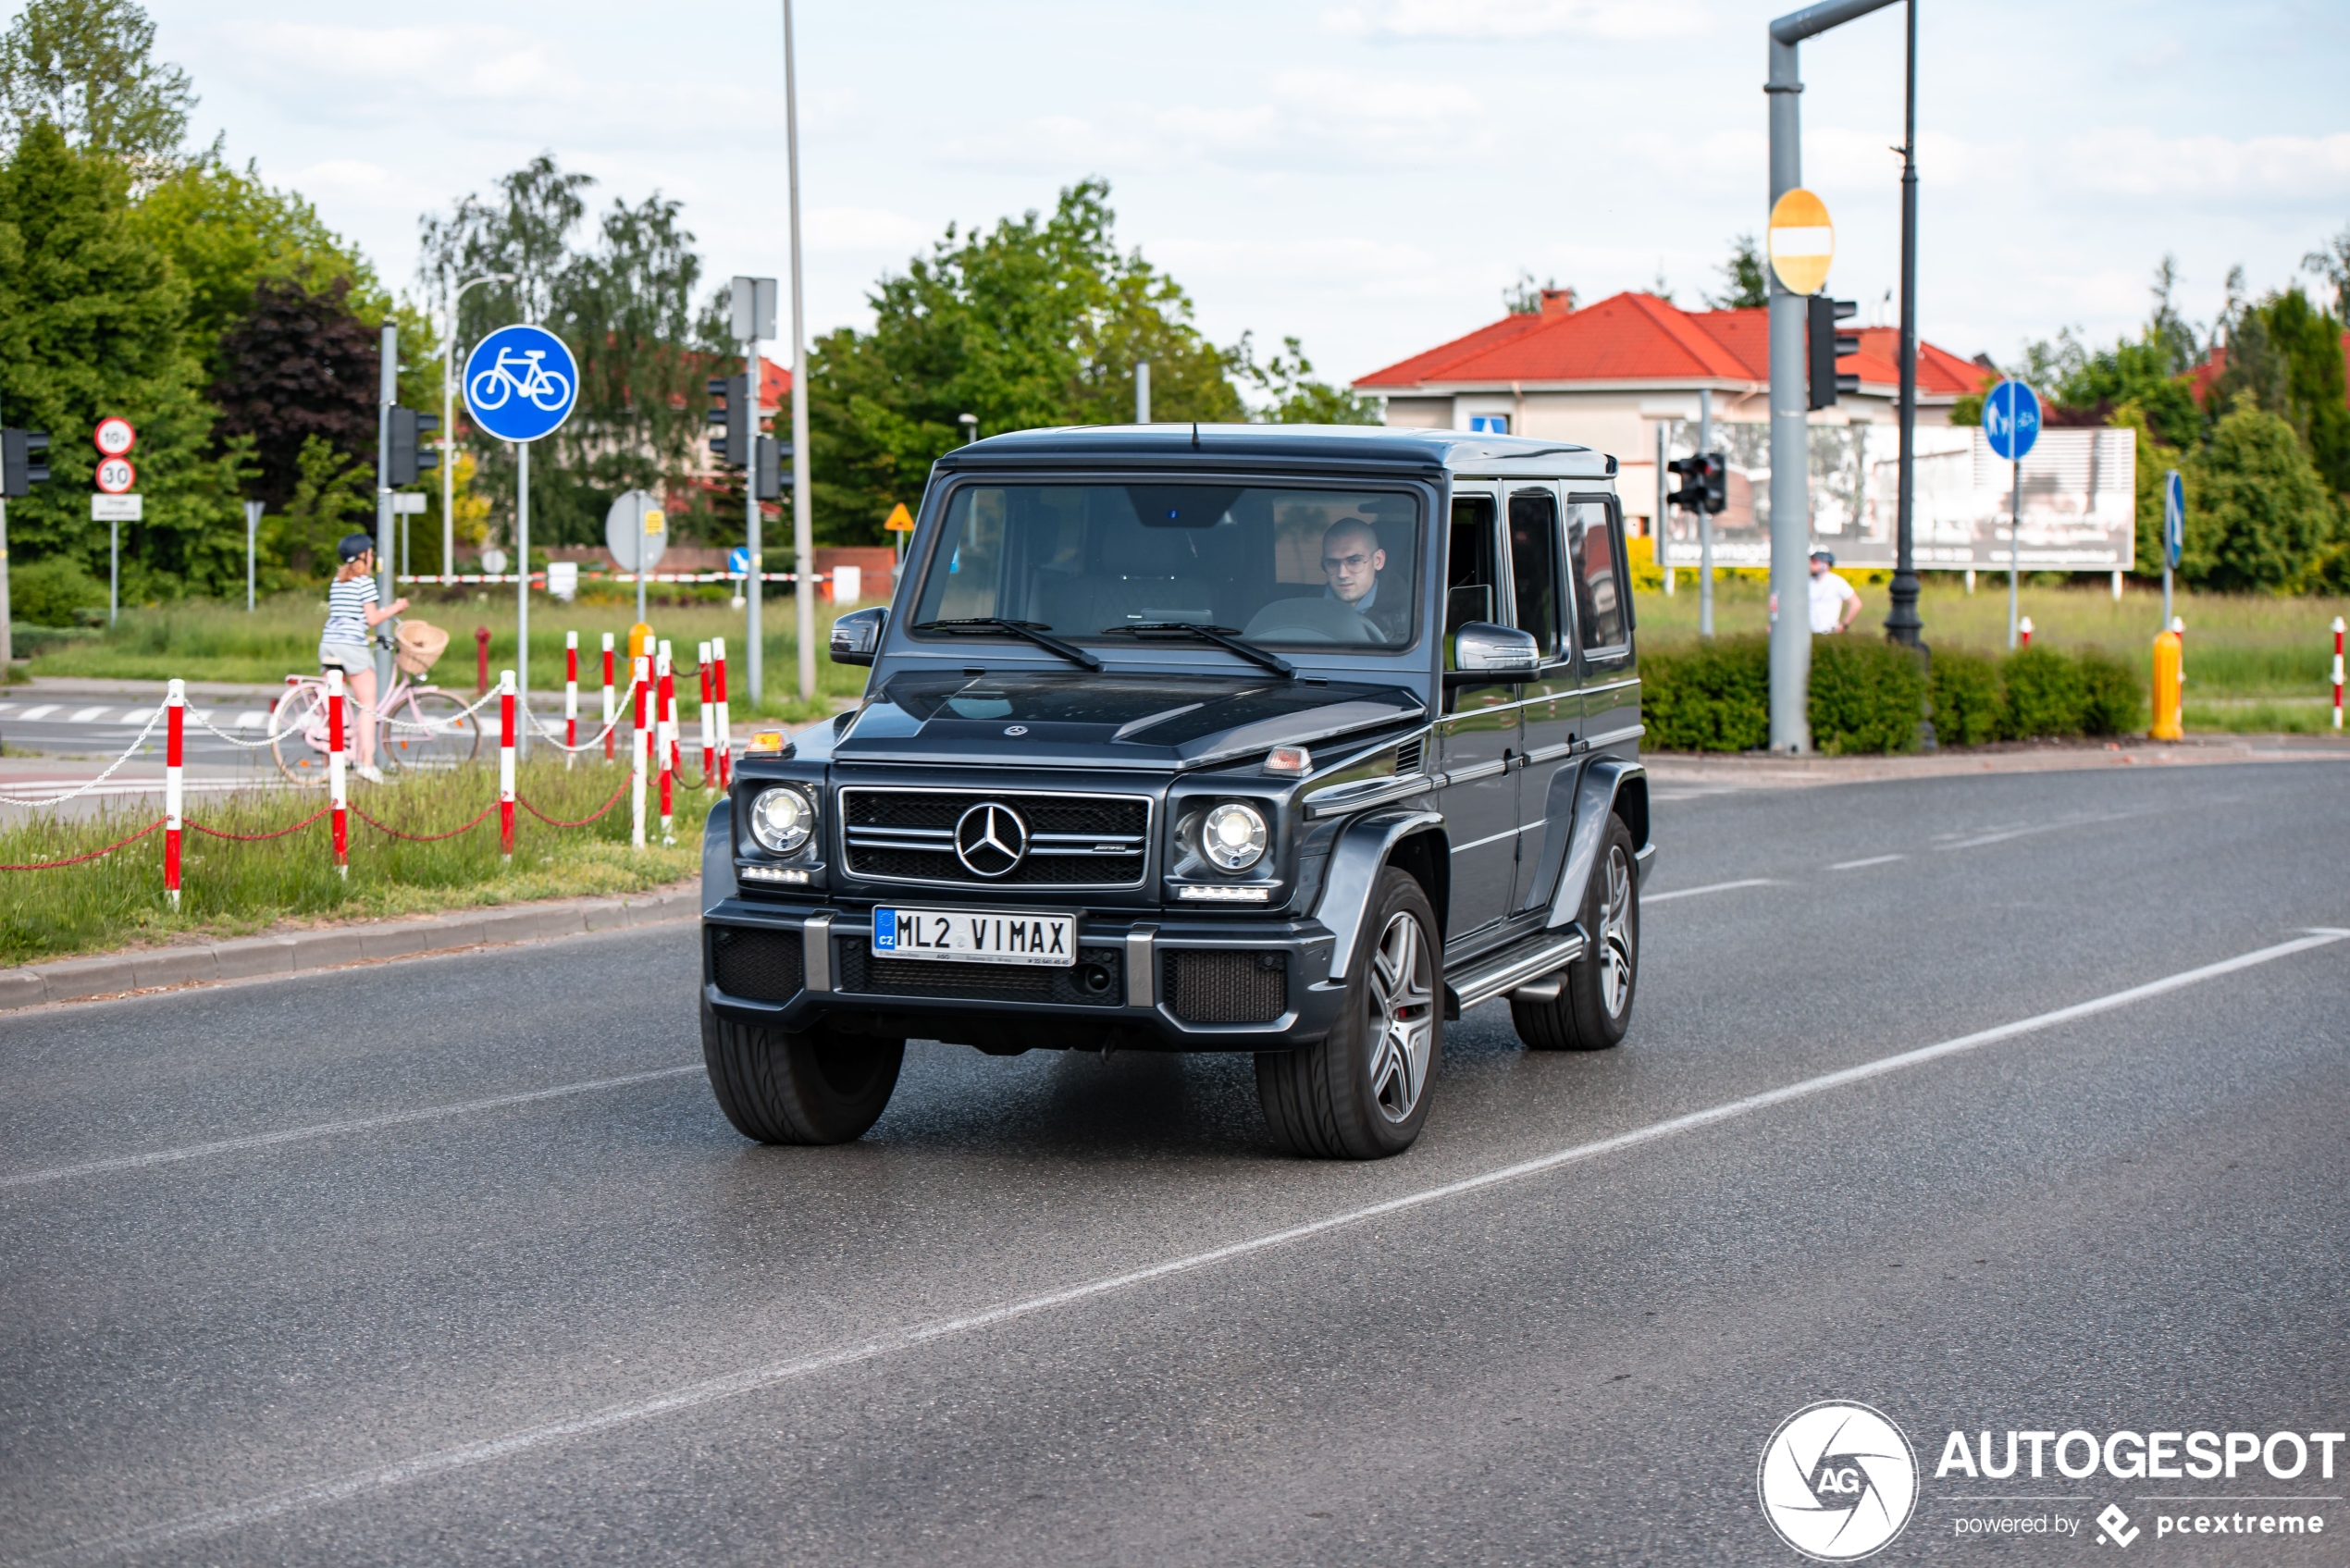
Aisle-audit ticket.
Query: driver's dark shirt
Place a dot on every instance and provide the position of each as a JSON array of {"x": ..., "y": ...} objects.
[{"x": 1388, "y": 614}]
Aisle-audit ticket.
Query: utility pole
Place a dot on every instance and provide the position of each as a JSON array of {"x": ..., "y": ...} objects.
[
  {"x": 1902, "y": 623},
  {"x": 803, "y": 524},
  {"x": 388, "y": 378},
  {"x": 1704, "y": 520},
  {"x": 1791, "y": 390},
  {"x": 253, "y": 532},
  {"x": 1142, "y": 392}
]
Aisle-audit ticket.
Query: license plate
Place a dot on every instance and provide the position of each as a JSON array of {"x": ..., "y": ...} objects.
[{"x": 976, "y": 936}]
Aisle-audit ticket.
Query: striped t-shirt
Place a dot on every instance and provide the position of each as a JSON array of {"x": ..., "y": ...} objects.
[{"x": 346, "y": 602}]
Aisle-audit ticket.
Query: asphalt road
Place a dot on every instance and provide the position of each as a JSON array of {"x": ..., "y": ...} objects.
[{"x": 597, "y": 1325}]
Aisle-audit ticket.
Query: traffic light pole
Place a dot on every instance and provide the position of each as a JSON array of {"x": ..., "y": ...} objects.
[
  {"x": 1902, "y": 623},
  {"x": 1790, "y": 391},
  {"x": 753, "y": 589},
  {"x": 1704, "y": 520},
  {"x": 388, "y": 386},
  {"x": 803, "y": 531}
]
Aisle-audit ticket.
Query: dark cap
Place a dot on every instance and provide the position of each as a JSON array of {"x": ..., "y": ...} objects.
[
  {"x": 353, "y": 545},
  {"x": 1826, "y": 555}
]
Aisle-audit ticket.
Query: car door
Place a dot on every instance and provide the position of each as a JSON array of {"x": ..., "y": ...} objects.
[
  {"x": 1550, "y": 707},
  {"x": 1602, "y": 596},
  {"x": 1477, "y": 738}
]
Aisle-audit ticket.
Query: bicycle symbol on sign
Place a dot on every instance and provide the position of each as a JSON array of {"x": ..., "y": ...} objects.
[{"x": 549, "y": 389}]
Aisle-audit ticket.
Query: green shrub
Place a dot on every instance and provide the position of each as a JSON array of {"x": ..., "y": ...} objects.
[
  {"x": 2043, "y": 694},
  {"x": 1709, "y": 695},
  {"x": 2113, "y": 701},
  {"x": 48, "y": 593},
  {"x": 1966, "y": 698},
  {"x": 1867, "y": 695}
]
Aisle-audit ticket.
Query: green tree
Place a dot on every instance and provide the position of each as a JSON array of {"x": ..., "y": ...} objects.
[
  {"x": 2258, "y": 516},
  {"x": 90, "y": 327},
  {"x": 87, "y": 67},
  {"x": 1525, "y": 296},
  {"x": 2154, "y": 459},
  {"x": 2332, "y": 264},
  {"x": 1745, "y": 286},
  {"x": 332, "y": 494},
  {"x": 1039, "y": 321},
  {"x": 2309, "y": 342},
  {"x": 1293, "y": 396},
  {"x": 299, "y": 367}
]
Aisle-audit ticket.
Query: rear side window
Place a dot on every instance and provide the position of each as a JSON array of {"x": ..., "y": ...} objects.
[
  {"x": 1598, "y": 572},
  {"x": 1534, "y": 566}
]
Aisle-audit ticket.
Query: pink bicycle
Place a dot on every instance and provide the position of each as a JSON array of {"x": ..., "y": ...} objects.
[{"x": 418, "y": 728}]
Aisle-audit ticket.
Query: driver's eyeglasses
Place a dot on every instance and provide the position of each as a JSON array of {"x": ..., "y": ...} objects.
[{"x": 1344, "y": 562}]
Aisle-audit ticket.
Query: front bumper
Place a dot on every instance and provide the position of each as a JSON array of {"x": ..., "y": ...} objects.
[{"x": 1184, "y": 982}]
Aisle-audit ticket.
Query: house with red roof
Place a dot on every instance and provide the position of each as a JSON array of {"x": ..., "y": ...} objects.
[{"x": 1609, "y": 375}]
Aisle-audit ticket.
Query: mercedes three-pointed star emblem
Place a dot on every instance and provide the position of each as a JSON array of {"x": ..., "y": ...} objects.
[{"x": 990, "y": 839}]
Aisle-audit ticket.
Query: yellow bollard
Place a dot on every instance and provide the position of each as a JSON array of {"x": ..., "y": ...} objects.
[
  {"x": 641, "y": 641},
  {"x": 2169, "y": 659}
]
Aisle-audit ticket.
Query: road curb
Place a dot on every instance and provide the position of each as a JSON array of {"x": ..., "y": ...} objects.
[{"x": 118, "y": 974}]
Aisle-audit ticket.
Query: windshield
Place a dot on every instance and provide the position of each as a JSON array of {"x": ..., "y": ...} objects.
[{"x": 1090, "y": 563}]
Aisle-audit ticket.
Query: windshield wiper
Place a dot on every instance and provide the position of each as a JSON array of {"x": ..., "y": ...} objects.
[
  {"x": 1222, "y": 637},
  {"x": 1033, "y": 629}
]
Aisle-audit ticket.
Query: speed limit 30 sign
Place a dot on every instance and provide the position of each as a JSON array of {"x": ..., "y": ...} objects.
[
  {"x": 114, "y": 438},
  {"x": 116, "y": 475}
]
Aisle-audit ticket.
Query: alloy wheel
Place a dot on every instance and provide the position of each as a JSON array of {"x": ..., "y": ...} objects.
[
  {"x": 1615, "y": 936},
  {"x": 1402, "y": 1007}
]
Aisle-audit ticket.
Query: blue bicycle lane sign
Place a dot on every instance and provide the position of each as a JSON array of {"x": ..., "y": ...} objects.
[{"x": 521, "y": 382}]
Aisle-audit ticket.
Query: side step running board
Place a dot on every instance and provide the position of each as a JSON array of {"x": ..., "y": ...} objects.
[{"x": 1489, "y": 977}]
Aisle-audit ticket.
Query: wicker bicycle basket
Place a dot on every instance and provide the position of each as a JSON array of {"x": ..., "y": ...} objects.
[{"x": 420, "y": 644}]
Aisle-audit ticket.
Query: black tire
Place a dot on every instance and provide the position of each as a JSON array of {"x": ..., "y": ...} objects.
[
  {"x": 1593, "y": 1008},
  {"x": 1363, "y": 1093},
  {"x": 781, "y": 1086}
]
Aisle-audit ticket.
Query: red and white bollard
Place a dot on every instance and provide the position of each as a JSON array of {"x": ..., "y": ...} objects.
[
  {"x": 338, "y": 793},
  {"x": 608, "y": 708},
  {"x": 506, "y": 764},
  {"x": 2337, "y": 671},
  {"x": 671, "y": 732},
  {"x": 571, "y": 696},
  {"x": 665, "y": 736},
  {"x": 726, "y": 738},
  {"x": 176, "y": 705},
  {"x": 640, "y": 753},
  {"x": 702, "y": 711},
  {"x": 2023, "y": 631}
]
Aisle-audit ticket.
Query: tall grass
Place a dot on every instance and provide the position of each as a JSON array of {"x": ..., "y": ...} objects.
[{"x": 230, "y": 888}]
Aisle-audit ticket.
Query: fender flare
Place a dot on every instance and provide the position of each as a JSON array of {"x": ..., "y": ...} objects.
[
  {"x": 718, "y": 855},
  {"x": 1605, "y": 781},
  {"x": 1362, "y": 851}
]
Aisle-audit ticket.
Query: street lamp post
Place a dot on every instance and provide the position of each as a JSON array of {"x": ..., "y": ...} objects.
[
  {"x": 1902, "y": 623},
  {"x": 449, "y": 420}
]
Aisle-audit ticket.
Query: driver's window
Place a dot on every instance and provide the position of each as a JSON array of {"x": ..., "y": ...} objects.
[{"x": 1472, "y": 578}]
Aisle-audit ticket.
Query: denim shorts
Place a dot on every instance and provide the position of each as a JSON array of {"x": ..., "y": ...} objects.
[{"x": 353, "y": 658}]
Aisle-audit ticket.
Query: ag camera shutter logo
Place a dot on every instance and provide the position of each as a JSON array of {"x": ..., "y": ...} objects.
[{"x": 1837, "y": 1481}]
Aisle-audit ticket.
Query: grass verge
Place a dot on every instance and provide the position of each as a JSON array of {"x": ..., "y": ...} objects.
[{"x": 237, "y": 889}]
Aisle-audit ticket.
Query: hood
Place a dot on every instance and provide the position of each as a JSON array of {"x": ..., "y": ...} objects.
[{"x": 1086, "y": 721}]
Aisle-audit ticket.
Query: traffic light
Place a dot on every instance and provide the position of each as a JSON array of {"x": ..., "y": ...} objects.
[
  {"x": 1827, "y": 346},
  {"x": 731, "y": 408},
  {"x": 1716, "y": 480},
  {"x": 769, "y": 476},
  {"x": 1691, "y": 471},
  {"x": 410, "y": 456},
  {"x": 23, "y": 463}
]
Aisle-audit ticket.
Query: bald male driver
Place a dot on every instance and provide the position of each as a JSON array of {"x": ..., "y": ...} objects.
[{"x": 1352, "y": 561}]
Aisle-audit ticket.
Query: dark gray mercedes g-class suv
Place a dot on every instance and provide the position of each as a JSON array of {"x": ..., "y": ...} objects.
[{"x": 1294, "y": 740}]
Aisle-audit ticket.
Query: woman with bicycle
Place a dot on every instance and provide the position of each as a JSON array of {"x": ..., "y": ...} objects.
[{"x": 352, "y": 614}]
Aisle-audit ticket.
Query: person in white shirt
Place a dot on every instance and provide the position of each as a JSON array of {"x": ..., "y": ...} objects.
[{"x": 1834, "y": 604}]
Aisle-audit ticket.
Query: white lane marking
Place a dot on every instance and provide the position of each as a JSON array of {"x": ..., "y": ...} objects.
[
  {"x": 1709, "y": 887},
  {"x": 384, "y": 1477},
  {"x": 329, "y": 1129},
  {"x": 1872, "y": 860},
  {"x": 138, "y": 715},
  {"x": 6, "y": 709},
  {"x": 253, "y": 721},
  {"x": 84, "y": 716},
  {"x": 40, "y": 712},
  {"x": 2002, "y": 836}
]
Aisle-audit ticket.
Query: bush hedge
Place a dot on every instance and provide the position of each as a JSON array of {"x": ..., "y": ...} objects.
[{"x": 1868, "y": 695}]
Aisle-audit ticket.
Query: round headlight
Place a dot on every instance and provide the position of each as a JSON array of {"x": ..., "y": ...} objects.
[
  {"x": 781, "y": 819},
  {"x": 1233, "y": 836}
]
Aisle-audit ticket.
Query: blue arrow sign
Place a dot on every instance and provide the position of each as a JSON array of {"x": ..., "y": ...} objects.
[
  {"x": 2174, "y": 517},
  {"x": 521, "y": 382},
  {"x": 2011, "y": 420},
  {"x": 738, "y": 561}
]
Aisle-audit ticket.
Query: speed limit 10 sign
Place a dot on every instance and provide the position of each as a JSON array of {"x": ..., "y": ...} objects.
[
  {"x": 116, "y": 475},
  {"x": 114, "y": 438}
]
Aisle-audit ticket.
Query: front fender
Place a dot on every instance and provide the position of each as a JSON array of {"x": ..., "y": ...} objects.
[
  {"x": 1605, "y": 782},
  {"x": 718, "y": 855},
  {"x": 1362, "y": 850}
]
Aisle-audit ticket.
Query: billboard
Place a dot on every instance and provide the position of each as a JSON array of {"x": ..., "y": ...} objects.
[{"x": 2079, "y": 499}]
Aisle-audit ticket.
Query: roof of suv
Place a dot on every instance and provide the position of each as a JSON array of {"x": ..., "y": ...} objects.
[{"x": 1350, "y": 447}]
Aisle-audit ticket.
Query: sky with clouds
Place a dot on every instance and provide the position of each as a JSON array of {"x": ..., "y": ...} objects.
[{"x": 1367, "y": 175}]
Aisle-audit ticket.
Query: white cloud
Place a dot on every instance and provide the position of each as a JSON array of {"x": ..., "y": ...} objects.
[
  {"x": 865, "y": 229},
  {"x": 2136, "y": 161},
  {"x": 1486, "y": 21}
]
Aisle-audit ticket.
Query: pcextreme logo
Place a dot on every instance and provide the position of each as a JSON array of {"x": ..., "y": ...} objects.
[{"x": 1838, "y": 1480}]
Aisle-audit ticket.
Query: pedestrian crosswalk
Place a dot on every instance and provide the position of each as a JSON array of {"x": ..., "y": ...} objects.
[{"x": 253, "y": 719}]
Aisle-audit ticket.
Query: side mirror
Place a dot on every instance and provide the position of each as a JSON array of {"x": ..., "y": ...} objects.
[
  {"x": 1483, "y": 652},
  {"x": 857, "y": 636}
]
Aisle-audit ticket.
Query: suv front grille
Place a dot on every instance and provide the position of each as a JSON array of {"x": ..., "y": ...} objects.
[
  {"x": 908, "y": 835},
  {"x": 764, "y": 966},
  {"x": 1226, "y": 985},
  {"x": 1097, "y": 980}
]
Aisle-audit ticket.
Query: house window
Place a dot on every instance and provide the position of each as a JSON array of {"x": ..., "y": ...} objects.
[{"x": 1488, "y": 424}]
